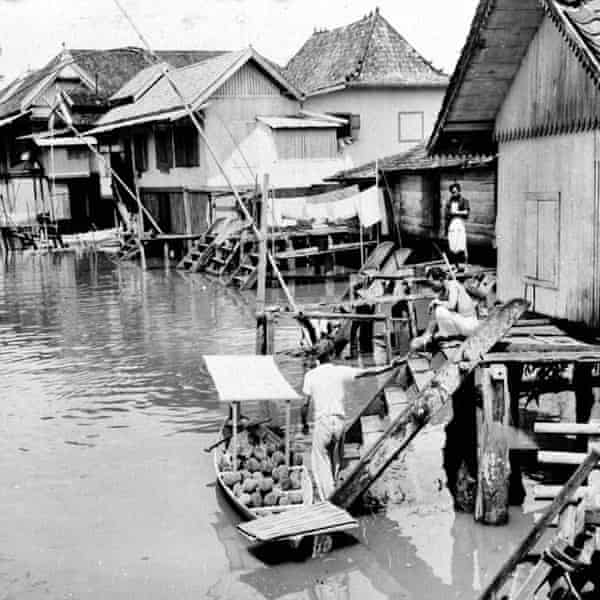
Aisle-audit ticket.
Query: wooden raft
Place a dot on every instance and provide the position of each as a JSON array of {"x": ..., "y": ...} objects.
[{"x": 315, "y": 519}]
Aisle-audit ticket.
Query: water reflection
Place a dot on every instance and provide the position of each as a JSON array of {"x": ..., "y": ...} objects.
[{"x": 107, "y": 492}]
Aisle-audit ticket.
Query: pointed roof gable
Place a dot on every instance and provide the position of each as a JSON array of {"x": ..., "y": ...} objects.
[
  {"x": 103, "y": 71},
  {"x": 196, "y": 84},
  {"x": 368, "y": 52},
  {"x": 500, "y": 34}
]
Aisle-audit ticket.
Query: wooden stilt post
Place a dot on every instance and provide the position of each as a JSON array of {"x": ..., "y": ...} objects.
[
  {"x": 187, "y": 213},
  {"x": 491, "y": 503},
  {"x": 166, "y": 255},
  {"x": 261, "y": 291},
  {"x": 388, "y": 339}
]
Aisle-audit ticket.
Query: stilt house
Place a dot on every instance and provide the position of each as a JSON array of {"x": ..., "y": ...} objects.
[
  {"x": 527, "y": 86},
  {"x": 418, "y": 186},
  {"x": 44, "y": 166},
  {"x": 250, "y": 116}
]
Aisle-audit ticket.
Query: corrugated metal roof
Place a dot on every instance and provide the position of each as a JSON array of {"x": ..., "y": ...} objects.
[
  {"x": 367, "y": 52},
  {"x": 297, "y": 123}
]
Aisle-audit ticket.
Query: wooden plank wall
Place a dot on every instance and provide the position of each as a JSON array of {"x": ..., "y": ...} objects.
[
  {"x": 248, "y": 81},
  {"x": 199, "y": 202},
  {"x": 567, "y": 165},
  {"x": 420, "y": 202},
  {"x": 550, "y": 93},
  {"x": 478, "y": 186}
]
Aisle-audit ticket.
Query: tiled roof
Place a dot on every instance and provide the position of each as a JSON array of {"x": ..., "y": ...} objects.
[
  {"x": 367, "y": 52},
  {"x": 108, "y": 69},
  {"x": 415, "y": 159}
]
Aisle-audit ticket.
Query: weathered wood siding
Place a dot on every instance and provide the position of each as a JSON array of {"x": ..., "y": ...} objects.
[
  {"x": 563, "y": 167},
  {"x": 414, "y": 203},
  {"x": 478, "y": 186},
  {"x": 420, "y": 202},
  {"x": 248, "y": 81},
  {"x": 551, "y": 92}
]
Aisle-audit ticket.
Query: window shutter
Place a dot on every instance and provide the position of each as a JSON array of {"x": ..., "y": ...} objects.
[
  {"x": 355, "y": 126},
  {"x": 164, "y": 148}
]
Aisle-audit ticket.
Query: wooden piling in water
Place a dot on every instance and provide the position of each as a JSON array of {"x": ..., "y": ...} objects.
[{"x": 493, "y": 468}]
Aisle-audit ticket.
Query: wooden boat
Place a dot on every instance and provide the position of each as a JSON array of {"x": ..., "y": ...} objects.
[
  {"x": 251, "y": 512},
  {"x": 257, "y": 379}
]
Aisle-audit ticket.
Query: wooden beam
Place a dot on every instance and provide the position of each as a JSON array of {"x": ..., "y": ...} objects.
[
  {"x": 535, "y": 357},
  {"x": 431, "y": 400},
  {"x": 568, "y": 428},
  {"x": 538, "y": 529}
]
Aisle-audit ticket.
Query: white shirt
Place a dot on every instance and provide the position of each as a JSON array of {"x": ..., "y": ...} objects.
[{"x": 325, "y": 385}]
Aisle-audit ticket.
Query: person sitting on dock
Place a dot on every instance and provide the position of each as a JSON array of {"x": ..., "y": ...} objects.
[
  {"x": 324, "y": 387},
  {"x": 453, "y": 313}
]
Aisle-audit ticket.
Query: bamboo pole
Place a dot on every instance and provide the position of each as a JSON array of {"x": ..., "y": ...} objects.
[
  {"x": 193, "y": 117},
  {"x": 261, "y": 291}
]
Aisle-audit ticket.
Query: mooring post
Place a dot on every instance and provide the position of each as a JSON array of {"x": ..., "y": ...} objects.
[
  {"x": 493, "y": 468},
  {"x": 166, "y": 255},
  {"x": 261, "y": 289}
]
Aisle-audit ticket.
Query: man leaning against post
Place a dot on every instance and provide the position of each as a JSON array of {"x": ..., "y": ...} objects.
[{"x": 324, "y": 388}]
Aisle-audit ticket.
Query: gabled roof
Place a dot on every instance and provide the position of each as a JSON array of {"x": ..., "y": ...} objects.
[
  {"x": 500, "y": 34},
  {"x": 103, "y": 71},
  {"x": 196, "y": 83},
  {"x": 368, "y": 52},
  {"x": 415, "y": 159}
]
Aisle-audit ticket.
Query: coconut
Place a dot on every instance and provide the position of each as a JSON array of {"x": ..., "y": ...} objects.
[
  {"x": 237, "y": 490},
  {"x": 245, "y": 499},
  {"x": 295, "y": 497},
  {"x": 253, "y": 465},
  {"x": 250, "y": 485},
  {"x": 259, "y": 453},
  {"x": 257, "y": 475},
  {"x": 283, "y": 471},
  {"x": 270, "y": 499},
  {"x": 230, "y": 478},
  {"x": 285, "y": 483},
  {"x": 270, "y": 448},
  {"x": 245, "y": 474},
  {"x": 266, "y": 466},
  {"x": 283, "y": 501},
  {"x": 278, "y": 458},
  {"x": 266, "y": 485},
  {"x": 296, "y": 480},
  {"x": 256, "y": 499}
]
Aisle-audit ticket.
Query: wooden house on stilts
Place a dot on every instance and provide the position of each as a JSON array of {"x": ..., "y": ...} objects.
[{"x": 527, "y": 87}]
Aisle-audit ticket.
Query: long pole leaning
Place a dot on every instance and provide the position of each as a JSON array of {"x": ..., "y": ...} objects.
[
  {"x": 116, "y": 176},
  {"x": 189, "y": 111}
]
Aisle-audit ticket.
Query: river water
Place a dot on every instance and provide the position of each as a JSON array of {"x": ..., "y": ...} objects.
[{"x": 106, "y": 490}]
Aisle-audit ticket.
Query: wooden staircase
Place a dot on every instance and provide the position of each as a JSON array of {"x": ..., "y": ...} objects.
[
  {"x": 130, "y": 248},
  {"x": 221, "y": 257},
  {"x": 245, "y": 274}
]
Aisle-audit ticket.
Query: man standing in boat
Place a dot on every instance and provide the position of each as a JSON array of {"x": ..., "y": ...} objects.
[
  {"x": 324, "y": 386},
  {"x": 457, "y": 213}
]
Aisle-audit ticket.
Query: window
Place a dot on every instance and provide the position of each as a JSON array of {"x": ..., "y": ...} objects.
[
  {"x": 542, "y": 239},
  {"x": 186, "y": 146},
  {"x": 140, "y": 152},
  {"x": 410, "y": 126},
  {"x": 351, "y": 129},
  {"x": 163, "y": 137},
  {"x": 305, "y": 143}
]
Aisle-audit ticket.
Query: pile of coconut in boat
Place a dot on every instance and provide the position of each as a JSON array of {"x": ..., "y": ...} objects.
[{"x": 262, "y": 477}]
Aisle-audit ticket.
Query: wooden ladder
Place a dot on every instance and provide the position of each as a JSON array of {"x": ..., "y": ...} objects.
[
  {"x": 245, "y": 274},
  {"x": 222, "y": 256},
  {"x": 129, "y": 249}
]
